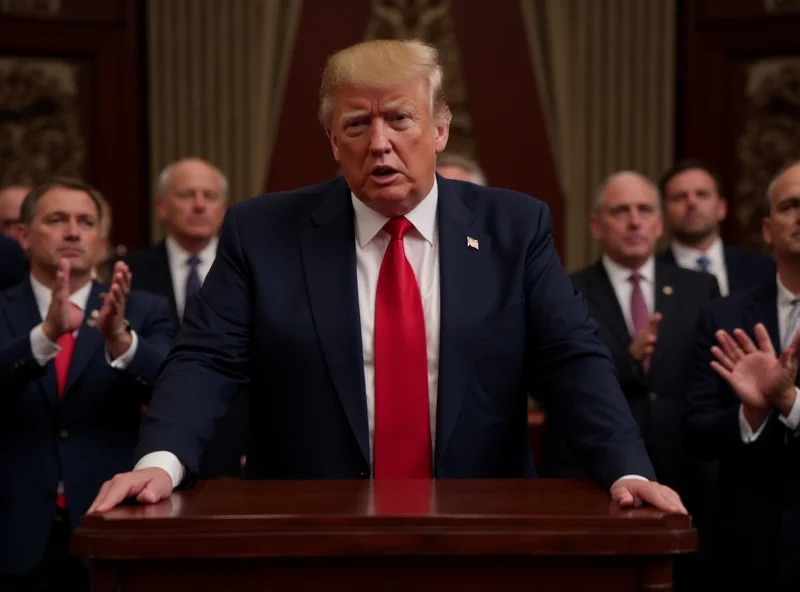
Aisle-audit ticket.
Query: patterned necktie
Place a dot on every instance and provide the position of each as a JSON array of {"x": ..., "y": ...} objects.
[
  {"x": 703, "y": 263},
  {"x": 640, "y": 316},
  {"x": 792, "y": 322},
  {"x": 193, "y": 283},
  {"x": 62, "y": 361},
  {"x": 402, "y": 425}
]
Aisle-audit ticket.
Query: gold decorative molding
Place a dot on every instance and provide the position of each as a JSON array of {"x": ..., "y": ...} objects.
[
  {"x": 40, "y": 132},
  {"x": 782, "y": 5},
  {"x": 771, "y": 136},
  {"x": 31, "y": 7},
  {"x": 430, "y": 21}
]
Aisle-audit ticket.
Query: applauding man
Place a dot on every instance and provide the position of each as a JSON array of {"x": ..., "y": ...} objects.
[
  {"x": 743, "y": 409},
  {"x": 76, "y": 361}
]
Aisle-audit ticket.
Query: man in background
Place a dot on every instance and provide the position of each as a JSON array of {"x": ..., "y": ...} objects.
[
  {"x": 77, "y": 359},
  {"x": 694, "y": 208},
  {"x": 11, "y": 197},
  {"x": 460, "y": 168},
  {"x": 12, "y": 263},
  {"x": 191, "y": 199}
]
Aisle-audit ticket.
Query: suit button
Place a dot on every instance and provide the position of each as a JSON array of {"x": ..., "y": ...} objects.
[
  {"x": 63, "y": 434},
  {"x": 652, "y": 396}
]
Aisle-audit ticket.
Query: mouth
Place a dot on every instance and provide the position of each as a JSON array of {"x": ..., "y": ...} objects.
[
  {"x": 70, "y": 251},
  {"x": 384, "y": 175}
]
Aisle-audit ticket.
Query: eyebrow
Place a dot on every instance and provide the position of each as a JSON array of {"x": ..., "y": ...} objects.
[{"x": 349, "y": 115}]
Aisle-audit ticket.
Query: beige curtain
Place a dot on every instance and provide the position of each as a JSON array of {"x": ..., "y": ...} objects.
[
  {"x": 606, "y": 77},
  {"x": 217, "y": 72}
]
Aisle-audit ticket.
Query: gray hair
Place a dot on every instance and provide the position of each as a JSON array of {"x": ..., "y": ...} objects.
[
  {"x": 599, "y": 194},
  {"x": 773, "y": 184},
  {"x": 476, "y": 173},
  {"x": 164, "y": 177}
]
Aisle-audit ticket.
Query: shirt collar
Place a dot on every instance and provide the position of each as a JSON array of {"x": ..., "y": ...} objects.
[
  {"x": 785, "y": 297},
  {"x": 619, "y": 274},
  {"x": 44, "y": 295},
  {"x": 175, "y": 252},
  {"x": 368, "y": 222},
  {"x": 690, "y": 255}
]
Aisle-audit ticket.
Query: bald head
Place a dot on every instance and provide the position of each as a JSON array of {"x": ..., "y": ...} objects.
[
  {"x": 11, "y": 199},
  {"x": 627, "y": 218},
  {"x": 190, "y": 200}
]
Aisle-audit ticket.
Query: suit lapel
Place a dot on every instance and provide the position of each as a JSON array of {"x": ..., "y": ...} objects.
[
  {"x": 329, "y": 261},
  {"x": 463, "y": 272},
  {"x": 763, "y": 308},
  {"x": 88, "y": 341},
  {"x": 24, "y": 314},
  {"x": 666, "y": 302},
  {"x": 604, "y": 299}
]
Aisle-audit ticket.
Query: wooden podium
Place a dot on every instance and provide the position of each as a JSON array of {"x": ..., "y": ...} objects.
[{"x": 375, "y": 536}]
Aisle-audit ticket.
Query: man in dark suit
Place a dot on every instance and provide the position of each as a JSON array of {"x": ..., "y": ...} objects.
[
  {"x": 747, "y": 413},
  {"x": 390, "y": 323},
  {"x": 191, "y": 198},
  {"x": 693, "y": 211},
  {"x": 647, "y": 313},
  {"x": 76, "y": 361},
  {"x": 12, "y": 263}
]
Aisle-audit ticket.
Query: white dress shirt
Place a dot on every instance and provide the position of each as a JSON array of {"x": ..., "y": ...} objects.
[
  {"x": 687, "y": 257},
  {"x": 620, "y": 278},
  {"x": 371, "y": 241},
  {"x": 178, "y": 258},
  {"x": 792, "y": 421},
  {"x": 45, "y": 350}
]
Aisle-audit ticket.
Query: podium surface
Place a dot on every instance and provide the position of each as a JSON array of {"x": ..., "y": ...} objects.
[{"x": 382, "y": 535}]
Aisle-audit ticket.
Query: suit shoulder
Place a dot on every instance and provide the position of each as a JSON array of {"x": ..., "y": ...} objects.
[
  {"x": 583, "y": 276},
  {"x": 746, "y": 256},
  {"x": 735, "y": 303},
  {"x": 141, "y": 300},
  {"x": 513, "y": 202},
  {"x": 284, "y": 204}
]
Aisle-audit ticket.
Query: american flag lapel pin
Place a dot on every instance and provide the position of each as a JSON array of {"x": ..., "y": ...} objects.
[
  {"x": 668, "y": 290},
  {"x": 92, "y": 320},
  {"x": 472, "y": 243}
]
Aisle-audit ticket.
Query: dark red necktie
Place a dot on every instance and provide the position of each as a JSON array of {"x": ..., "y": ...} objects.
[
  {"x": 67, "y": 344},
  {"x": 402, "y": 421}
]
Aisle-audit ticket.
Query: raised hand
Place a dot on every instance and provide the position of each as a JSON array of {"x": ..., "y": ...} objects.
[
  {"x": 62, "y": 317},
  {"x": 111, "y": 319},
  {"x": 644, "y": 343}
]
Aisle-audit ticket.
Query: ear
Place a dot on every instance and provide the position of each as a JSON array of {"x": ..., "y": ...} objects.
[
  {"x": 594, "y": 226},
  {"x": 766, "y": 232},
  {"x": 722, "y": 209},
  {"x": 659, "y": 227},
  {"x": 161, "y": 207},
  {"x": 23, "y": 235},
  {"x": 334, "y": 142},
  {"x": 441, "y": 134}
]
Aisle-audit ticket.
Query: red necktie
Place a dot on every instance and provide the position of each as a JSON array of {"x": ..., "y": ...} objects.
[
  {"x": 67, "y": 344},
  {"x": 640, "y": 316},
  {"x": 402, "y": 424}
]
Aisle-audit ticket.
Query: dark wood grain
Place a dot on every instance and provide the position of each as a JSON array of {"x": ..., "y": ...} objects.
[{"x": 353, "y": 534}]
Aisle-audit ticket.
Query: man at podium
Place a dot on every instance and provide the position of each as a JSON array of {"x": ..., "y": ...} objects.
[{"x": 389, "y": 323}]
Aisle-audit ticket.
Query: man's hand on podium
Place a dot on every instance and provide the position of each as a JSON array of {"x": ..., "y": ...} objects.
[
  {"x": 148, "y": 485},
  {"x": 634, "y": 492}
]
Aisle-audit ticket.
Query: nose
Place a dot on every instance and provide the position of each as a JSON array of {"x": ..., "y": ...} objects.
[
  {"x": 73, "y": 229},
  {"x": 199, "y": 202},
  {"x": 379, "y": 140}
]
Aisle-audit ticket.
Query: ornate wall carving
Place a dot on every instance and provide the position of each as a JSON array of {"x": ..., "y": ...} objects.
[
  {"x": 771, "y": 136},
  {"x": 782, "y": 5},
  {"x": 431, "y": 21},
  {"x": 40, "y": 132}
]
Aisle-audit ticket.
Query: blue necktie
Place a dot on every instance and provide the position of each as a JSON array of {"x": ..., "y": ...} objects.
[
  {"x": 703, "y": 263},
  {"x": 193, "y": 282}
]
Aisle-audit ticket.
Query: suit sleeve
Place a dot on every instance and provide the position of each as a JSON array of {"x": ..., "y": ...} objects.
[
  {"x": 154, "y": 339},
  {"x": 711, "y": 419},
  {"x": 573, "y": 369},
  {"x": 207, "y": 366},
  {"x": 18, "y": 366}
]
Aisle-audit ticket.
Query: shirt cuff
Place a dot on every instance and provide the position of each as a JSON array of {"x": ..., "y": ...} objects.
[
  {"x": 792, "y": 420},
  {"x": 746, "y": 431},
  {"x": 639, "y": 477},
  {"x": 123, "y": 361},
  {"x": 166, "y": 461},
  {"x": 43, "y": 349}
]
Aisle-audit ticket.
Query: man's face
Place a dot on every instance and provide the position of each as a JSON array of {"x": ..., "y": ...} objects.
[
  {"x": 781, "y": 228},
  {"x": 65, "y": 226},
  {"x": 693, "y": 208},
  {"x": 11, "y": 199},
  {"x": 628, "y": 223},
  {"x": 386, "y": 143},
  {"x": 455, "y": 172},
  {"x": 194, "y": 204}
]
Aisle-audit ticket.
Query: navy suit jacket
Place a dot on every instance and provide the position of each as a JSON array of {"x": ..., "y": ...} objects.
[
  {"x": 151, "y": 273},
  {"x": 745, "y": 268},
  {"x": 280, "y": 308},
  {"x": 83, "y": 440},
  {"x": 756, "y": 522},
  {"x": 12, "y": 263}
]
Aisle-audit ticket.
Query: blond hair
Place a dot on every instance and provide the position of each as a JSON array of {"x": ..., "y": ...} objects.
[{"x": 383, "y": 63}]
